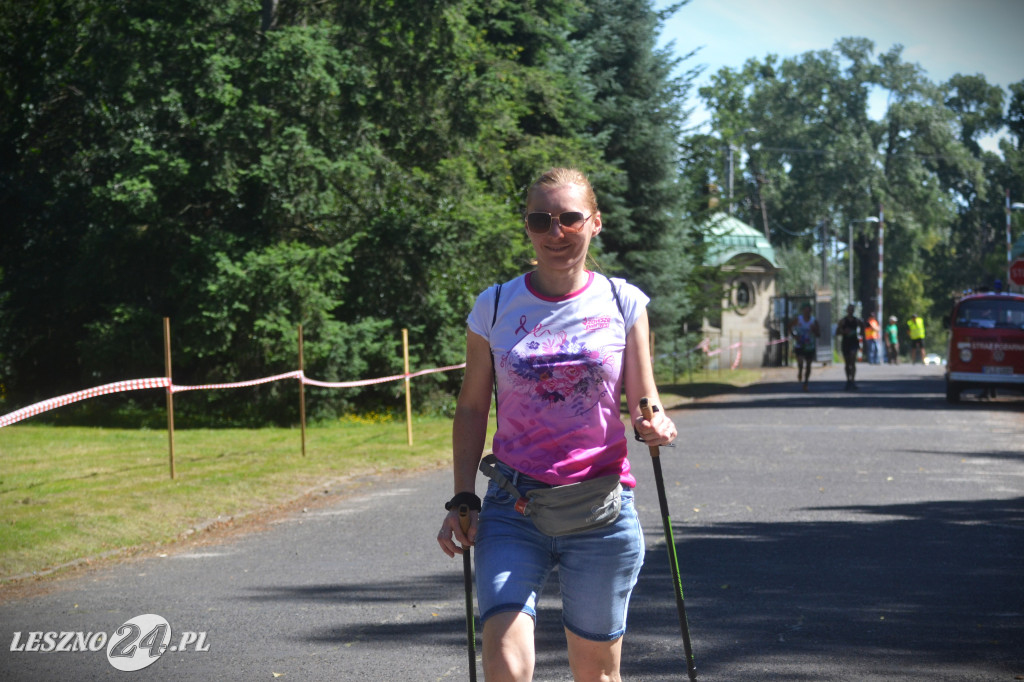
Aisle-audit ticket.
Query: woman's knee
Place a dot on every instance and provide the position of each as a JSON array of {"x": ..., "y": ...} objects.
[
  {"x": 592, "y": 661},
  {"x": 508, "y": 649}
]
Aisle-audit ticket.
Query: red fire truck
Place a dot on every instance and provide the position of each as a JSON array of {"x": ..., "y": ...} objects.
[{"x": 986, "y": 344}]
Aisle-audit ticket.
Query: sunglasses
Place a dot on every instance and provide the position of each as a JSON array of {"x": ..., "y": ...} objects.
[{"x": 570, "y": 221}]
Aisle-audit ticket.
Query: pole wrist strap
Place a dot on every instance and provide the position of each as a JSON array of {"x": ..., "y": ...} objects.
[{"x": 468, "y": 499}]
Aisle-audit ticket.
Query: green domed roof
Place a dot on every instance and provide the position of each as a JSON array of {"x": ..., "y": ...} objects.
[{"x": 730, "y": 237}]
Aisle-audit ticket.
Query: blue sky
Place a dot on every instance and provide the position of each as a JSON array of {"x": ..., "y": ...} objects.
[{"x": 943, "y": 37}]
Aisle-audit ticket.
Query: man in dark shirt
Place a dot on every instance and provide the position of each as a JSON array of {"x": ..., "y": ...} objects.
[{"x": 849, "y": 331}]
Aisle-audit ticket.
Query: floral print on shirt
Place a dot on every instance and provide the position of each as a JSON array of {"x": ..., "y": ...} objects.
[{"x": 560, "y": 369}]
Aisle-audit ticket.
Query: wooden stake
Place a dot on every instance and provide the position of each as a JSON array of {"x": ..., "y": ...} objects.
[
  {"x": 302, "y": 393},
  {"x": 170, "y": 393},
  {"x": 408, "y": 395}
]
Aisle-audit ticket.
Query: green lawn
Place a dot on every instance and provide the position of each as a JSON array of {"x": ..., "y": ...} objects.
[{"x": 69, "y": 492}]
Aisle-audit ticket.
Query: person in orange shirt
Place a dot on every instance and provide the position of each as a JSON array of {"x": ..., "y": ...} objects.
[{"x": 872, "y": 339}]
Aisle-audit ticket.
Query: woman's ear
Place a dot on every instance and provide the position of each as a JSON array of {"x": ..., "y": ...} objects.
[{"x": 597, "y": 223}]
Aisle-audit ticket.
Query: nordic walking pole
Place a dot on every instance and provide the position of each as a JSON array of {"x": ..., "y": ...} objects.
[
  {"x": 647, "y": 410},
  {"x": 467, "y": 571}
]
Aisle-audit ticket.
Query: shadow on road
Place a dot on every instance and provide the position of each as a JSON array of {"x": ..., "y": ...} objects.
[
  {"x": 935, "y": 583},
  {"x": 905, "y": 393}
]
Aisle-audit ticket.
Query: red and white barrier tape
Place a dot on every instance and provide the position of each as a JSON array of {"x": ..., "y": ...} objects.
[
  {"x": 164, "y": 382},
  {"x": 718, "y": 351},
  {"x": 705, "y": 345},
  {"x": 367, "y": 382},
  {"x": 297, "y": 374},
  {"x": 60, "y": 401}
]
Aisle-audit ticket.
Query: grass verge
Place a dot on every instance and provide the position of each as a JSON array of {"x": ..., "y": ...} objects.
[{"x": 68, "y": 493}]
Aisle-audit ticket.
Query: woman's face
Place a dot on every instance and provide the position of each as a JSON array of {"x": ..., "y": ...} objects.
[{"x": 557, "y": 249}]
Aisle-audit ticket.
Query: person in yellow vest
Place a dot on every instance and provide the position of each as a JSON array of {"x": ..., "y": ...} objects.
[
  {"x": 915, "y": 327},
  {"x": 872, "y": 337}
]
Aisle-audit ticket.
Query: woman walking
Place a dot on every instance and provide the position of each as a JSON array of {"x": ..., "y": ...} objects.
[
  {"x": 805, "y": 343},
  {"x": 557, "y": 346}
]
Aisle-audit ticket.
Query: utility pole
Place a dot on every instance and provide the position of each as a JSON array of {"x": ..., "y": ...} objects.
[
  {"x": 729, "y": 177},
  {"x": 824, "y": 253},
  {"x": 881, "y": 261}
]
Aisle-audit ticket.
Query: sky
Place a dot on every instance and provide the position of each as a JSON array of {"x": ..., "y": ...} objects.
[{"x": 944, "y": 37}]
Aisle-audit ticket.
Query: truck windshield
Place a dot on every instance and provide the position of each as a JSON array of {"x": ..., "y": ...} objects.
[{"x": 991, "y": 313}]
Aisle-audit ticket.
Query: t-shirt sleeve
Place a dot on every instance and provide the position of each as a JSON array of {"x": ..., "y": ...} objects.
[
  {"x": 634, "y": 302},
  {"x": 480, "y": 317}
]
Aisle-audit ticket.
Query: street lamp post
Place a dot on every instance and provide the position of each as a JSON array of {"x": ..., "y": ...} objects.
[
  {"x": 1015, "y": 206},
  {"x": 730, "y": 172},
  {"x": 849, "y": 248},
  {"x": 730, "y": 169},
  {"x": 881, "y": 262}
]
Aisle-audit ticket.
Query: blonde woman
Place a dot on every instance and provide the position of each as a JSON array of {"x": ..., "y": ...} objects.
[{"x": 558, "y": 345}]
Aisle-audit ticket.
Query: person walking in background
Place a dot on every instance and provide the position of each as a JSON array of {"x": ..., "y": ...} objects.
[
  {"x": 557, "y": 346},
  {"x": 892, "y": 341},
  {"x": 872, "y": 339},
  {"x": 805, "y": 343},
  {"x": 849, "y": 330},
  {"x": 915, "y": 328}
]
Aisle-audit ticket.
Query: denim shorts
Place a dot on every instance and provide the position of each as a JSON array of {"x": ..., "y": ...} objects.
[{"x": 596, "y": 569}]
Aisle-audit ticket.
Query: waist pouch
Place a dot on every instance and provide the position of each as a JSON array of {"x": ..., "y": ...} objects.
[{"x": 563, "y": 509}]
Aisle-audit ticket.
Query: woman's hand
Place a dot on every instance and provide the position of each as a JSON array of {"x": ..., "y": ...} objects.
[
  {"x": 451, "y": 538},
  {"x": 660, "y": 430}
]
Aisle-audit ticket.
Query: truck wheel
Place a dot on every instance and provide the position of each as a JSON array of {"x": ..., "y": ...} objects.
[{"x": 952, "y": 393}]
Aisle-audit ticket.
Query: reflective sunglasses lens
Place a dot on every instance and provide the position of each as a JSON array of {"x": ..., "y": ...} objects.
[
  {"x": 571, "y": 220},
  {"x": 538, "y": 222}
]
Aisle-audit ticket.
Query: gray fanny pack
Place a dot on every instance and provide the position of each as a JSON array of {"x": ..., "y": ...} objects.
[{"x": 563, "y": 509}]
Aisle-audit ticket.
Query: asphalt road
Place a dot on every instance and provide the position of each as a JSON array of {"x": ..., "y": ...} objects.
[{"x": 827, "y": 535}]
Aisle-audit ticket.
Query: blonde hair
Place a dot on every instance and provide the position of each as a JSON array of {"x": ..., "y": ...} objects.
[{"x": 558, "y": 177}]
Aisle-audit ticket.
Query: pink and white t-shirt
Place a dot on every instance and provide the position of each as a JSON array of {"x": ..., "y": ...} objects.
[{"x": 558, "y": 363}]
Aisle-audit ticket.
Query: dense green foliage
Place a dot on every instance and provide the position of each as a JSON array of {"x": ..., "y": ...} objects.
[{"x": 358, "y": 168}]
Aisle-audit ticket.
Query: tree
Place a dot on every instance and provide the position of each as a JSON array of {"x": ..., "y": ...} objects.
[
  {"x": 975, "y": 240},
  {"x": 638, "y": 115},
  {"x": 133, "y": 158}
]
